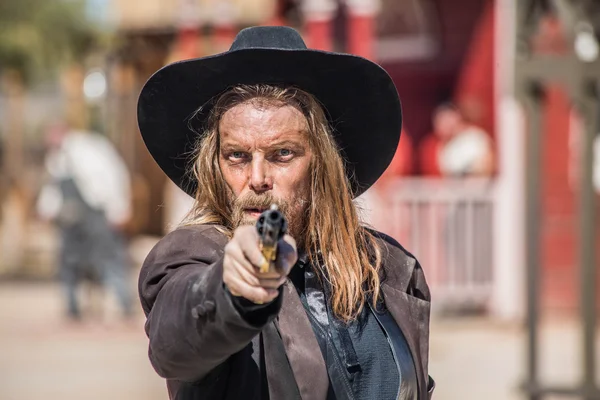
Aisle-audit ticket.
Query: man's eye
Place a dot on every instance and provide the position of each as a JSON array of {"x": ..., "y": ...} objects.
[
  {"x": 285, "y": 152},
  {"x": 237, "y": 157}
]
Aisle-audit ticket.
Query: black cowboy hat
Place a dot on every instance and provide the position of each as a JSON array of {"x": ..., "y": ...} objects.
[{"x": 359, "y": 98}]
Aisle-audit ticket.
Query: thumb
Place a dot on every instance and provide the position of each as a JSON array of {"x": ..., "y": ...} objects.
[{"x": 287, "y": 254}]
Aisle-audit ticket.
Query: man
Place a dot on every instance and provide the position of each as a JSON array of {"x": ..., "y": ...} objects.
[
  {"x": 88, "y": 198},
  {"x": 464, "y": 150},
  {"x": 346, "y": 314}
]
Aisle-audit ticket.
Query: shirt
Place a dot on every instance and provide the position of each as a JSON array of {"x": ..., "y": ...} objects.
[
  {"x": 369, "y": 368},
  {"x": 458, "y": 156},
  {"x": 98, "y": 171},
  {"x": 359, "y": 358}
]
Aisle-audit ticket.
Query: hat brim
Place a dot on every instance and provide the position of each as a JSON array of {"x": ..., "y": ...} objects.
[{"x": 359, "y": 97}]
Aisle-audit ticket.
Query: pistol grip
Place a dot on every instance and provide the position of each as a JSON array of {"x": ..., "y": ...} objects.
[{"x": 270, "y": 254}]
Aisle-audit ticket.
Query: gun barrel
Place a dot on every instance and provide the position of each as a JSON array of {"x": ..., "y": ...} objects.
[{"x": 271, "y": 227}]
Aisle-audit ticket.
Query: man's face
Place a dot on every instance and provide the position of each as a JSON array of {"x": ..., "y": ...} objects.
[
  {"x": 446, "y": 123},
  {"x": 265, "y": 157}
]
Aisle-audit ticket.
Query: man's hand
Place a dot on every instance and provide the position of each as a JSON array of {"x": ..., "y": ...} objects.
[{"x": 243, "y": 259}]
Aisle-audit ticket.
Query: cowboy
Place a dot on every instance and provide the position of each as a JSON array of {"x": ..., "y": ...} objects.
[{"x": 345, "y": 315}]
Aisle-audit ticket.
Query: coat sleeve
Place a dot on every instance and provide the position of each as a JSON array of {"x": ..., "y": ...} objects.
[
  {"x": 412, "y": 279},
  {"x": 192, "y": 323}
]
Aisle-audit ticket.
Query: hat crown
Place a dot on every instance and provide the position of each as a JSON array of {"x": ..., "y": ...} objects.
[{"x": 268, "y": 37}]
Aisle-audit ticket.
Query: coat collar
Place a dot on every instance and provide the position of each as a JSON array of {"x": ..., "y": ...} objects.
[
  {"x": 412, "y": 316},
  {"x": 301, "y": 347}
]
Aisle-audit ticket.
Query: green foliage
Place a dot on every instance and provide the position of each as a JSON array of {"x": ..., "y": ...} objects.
[{"x": 38, "y": 36}]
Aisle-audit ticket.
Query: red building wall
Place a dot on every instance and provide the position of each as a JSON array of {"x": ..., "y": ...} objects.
[
  {"x": 423, "y": 85},
  {"x": 466, "y": 73},
  {"x": 559, "y": 207}
]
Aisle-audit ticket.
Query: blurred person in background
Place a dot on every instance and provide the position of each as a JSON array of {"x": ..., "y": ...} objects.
[
  {"x": 456, "y": 148},
  {"x": 344, "y": 313},
  {"x": 88, "y": 198}
]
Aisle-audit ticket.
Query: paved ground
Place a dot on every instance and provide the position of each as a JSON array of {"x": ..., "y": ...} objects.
[{"x": 41, "y": 357}]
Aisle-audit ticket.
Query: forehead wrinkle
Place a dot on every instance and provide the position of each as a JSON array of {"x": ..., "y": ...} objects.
[{"x": 249, "y": 124}]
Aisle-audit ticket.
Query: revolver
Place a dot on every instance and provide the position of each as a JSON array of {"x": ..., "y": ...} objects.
[{"x": 271, "y": 226}]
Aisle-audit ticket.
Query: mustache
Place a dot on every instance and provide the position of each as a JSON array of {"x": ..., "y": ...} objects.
[
  {"x": 255, "y": 201},
  {"x": 295, "y": 210},
  {"x": 263, "y": 201}
]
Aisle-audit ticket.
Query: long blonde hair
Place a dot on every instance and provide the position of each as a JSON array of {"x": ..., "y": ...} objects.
[{"x": 347, "y": 253}]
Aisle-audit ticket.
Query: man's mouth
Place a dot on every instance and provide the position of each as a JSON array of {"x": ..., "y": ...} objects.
[{"x": 254, "y": 212}]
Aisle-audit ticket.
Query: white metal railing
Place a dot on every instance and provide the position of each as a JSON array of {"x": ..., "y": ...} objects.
[{"x": 448, "y": 226}]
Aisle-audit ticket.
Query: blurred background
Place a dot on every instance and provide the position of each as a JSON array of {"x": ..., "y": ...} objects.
[{"x": 493, "y": 188}]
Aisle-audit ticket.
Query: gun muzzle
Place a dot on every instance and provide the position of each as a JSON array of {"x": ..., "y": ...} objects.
[{"x": 271, "y": 227}]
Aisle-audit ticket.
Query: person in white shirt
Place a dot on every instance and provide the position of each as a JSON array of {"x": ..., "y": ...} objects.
[
  {"x": 465, "y": 150},
  {"x": 88, "y": 197}
]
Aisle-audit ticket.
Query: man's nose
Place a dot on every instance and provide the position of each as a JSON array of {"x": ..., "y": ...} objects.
[{"x": 260, "y": 179}]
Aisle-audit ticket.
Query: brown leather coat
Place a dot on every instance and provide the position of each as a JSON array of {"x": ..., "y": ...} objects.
[{"x": 204, "y": 348}]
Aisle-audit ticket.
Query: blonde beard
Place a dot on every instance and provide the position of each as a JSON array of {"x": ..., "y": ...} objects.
[{"x": 294, "y": 212}]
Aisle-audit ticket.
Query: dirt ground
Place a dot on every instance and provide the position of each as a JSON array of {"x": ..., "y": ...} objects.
[{"x": 43, "y": 357}]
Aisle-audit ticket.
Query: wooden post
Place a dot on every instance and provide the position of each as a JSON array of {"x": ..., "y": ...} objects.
[
  {"x": 532, "y": 97},
  {"x": 76, "y": 111},
  {"x": 586, "y": 98},
  {"x": 13, "y": 203},
  {"x": 534, "y": 70},
  {"x": 122, "y": 111},
  {"x": 12, "y": 81},
  {"x": 508, "y": 292}
]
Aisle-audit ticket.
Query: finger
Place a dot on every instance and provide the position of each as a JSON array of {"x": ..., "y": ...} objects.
[
  {"x": 287, "y": 254},
  {"x": 289, "y": 239},
  {"x": 272, "y": 283},
  {"x": 233, "y": 291},
  {"x": 234, "y": 270},
  {"x": 240, "y": 273},
  {"x": 256, "y": 295},
  {"x": 290, "y": 250},
  {"x": 253, "y": 280},
  {"x": 231, "y": 283},
  {"x": 245, "y": 232},
  {"x": 253, "y": 254},
  {"x": 240, "y": 260},
  {"x": 249, "y": 243},
  {"x": 273, "y": 273},
  {"x": 248, "y": 276},
  {"x": 236, "y": 254}
]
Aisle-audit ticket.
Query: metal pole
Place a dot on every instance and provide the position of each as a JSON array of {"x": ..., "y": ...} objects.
[
  {"x": 532, "y": 158},
  {"x": 587, "y": 227},
  {"x": 533, "y": 96}
]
